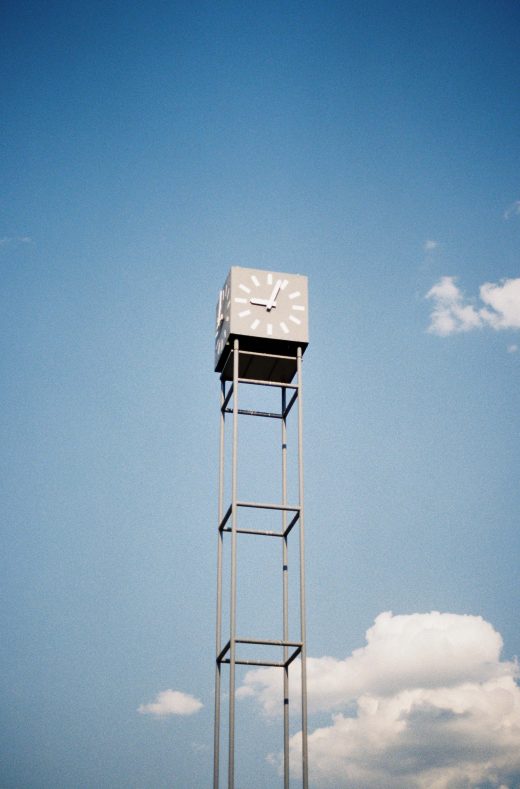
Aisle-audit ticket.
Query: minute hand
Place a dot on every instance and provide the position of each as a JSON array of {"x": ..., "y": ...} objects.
[{"x": 271, "y": 303}]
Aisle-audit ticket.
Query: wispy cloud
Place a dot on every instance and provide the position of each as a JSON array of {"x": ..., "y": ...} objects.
[
  {"x": 7, "y": 242},
  {"x": 171, "y": 702},
  {"x": 513, "y": 210},
  {"x": 429, "y": 704},
  {"x": 430, "y": 245},
  {"x": 452, "y": 312}
]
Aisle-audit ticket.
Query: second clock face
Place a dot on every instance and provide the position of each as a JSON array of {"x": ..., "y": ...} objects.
[{"x": 269, "y": 304}]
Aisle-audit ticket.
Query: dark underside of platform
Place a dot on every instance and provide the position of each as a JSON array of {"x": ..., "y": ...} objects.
[{"x": 261, "y": 359}]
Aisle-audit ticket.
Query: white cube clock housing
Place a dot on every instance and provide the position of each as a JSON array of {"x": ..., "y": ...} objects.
[{"x": 265, "y": 310}]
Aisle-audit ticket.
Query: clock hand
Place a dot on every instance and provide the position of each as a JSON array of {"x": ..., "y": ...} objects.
[
  {"x": 220, "y": 315},
  {"x": 271, "y": 303}
]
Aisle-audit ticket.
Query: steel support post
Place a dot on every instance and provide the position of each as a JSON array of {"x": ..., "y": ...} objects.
[
  {"x": 218, "y": 639},
  {"x": 305, "y": 759},
  {"x": 233, "y": 599},
  {"x": 285, "y": 595}
]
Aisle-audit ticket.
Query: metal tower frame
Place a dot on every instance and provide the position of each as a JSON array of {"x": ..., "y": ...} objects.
[{"x": 238, "y": 370}]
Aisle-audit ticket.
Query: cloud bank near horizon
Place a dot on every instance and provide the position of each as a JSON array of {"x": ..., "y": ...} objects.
[
  {"x": 452, "y": 313},
  {"x": 426, "y": 704}
]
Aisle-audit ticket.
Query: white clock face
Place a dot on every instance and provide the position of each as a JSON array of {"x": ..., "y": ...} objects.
[
  {"x": 222, "y": 317},
  {"x": 222, "y": 311},
  {"x": 268, "y": 304}
]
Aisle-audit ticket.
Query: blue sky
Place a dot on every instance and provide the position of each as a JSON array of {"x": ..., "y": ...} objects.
[{"x": 146, "y": 149}]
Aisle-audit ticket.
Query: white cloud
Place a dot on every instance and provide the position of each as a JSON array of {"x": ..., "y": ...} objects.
[
  {"x": 171, "y": 702},
  {"x": 402, "y": 652},
  {"x": 512, "y": 348},
  {"x": 513, "y": 210},
  {"x": 430, "y": 245},
  {"x": 449, "y": 313},
  {"x": 453, "y": 313},
  {"x": 426, "y": 704},
  {"x": 504, "y": 299},
  {"x": 453, "y": 738}
]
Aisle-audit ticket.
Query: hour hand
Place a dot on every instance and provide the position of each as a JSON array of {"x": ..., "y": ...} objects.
[{"x": 260, "y": 302}]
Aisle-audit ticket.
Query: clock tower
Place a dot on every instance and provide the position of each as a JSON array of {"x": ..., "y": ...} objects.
[
  {"x": 267, "y": 311},
  {"x": 261, "y": 333}
]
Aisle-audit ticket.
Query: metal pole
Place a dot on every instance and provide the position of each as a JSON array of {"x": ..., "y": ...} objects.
[
  {"x": 218, "y": 639},
  {"x": 305, "y": 759},
  {"x": 233, "y": 602},
  {"x": 285, "y": 598}
]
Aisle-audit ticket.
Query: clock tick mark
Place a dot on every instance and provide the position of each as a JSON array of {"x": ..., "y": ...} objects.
[
  {"x": 284, "y": 327},
  {"x": 295, "y": 294},
  {"x": 244, "y": 288},
  {"x": 244, "y": 313}
]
